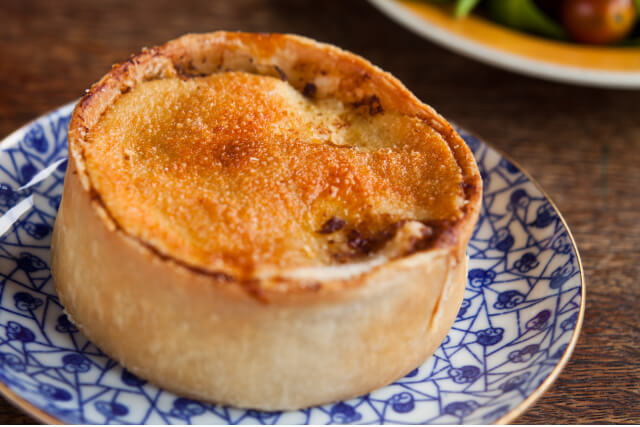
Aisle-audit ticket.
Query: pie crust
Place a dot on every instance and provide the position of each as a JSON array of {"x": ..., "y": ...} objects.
[{"x": 262, "y": 220}]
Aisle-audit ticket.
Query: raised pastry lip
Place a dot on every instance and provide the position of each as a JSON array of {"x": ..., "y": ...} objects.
[{"x": 196, "y": 55}]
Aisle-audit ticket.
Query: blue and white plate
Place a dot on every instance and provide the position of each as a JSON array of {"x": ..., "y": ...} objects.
[{"x": 518, "y": 323}]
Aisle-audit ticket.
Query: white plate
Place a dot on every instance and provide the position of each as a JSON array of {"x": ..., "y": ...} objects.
[{"x": 518, "y": 324}]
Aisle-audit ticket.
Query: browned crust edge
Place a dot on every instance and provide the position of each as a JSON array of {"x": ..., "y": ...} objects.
[{"x": 192, "y": 55}]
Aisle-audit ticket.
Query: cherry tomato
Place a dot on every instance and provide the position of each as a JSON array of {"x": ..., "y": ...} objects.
[{"x": 598, "y": 21}]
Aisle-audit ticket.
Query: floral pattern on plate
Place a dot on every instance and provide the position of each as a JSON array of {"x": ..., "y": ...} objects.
[{"x": 517, "y": 322}]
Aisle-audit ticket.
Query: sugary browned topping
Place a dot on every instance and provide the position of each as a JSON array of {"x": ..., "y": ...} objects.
[{"x": 241, "y": 173}]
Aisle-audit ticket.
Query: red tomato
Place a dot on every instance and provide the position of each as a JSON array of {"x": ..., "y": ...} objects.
[{"x": 598, "y": 21}]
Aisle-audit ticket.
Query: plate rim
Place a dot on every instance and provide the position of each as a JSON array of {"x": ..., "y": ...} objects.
[
  {"x": 527, "y": 403},
  {"x": 42, "y": 416},
  {"x": 505, "y": 60},
  {"x": 11, "y": 396}
]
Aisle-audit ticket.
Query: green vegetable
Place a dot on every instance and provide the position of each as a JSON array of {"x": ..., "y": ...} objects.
[
  {"x": 463, "y": 7},
  {"x": 524, "y": 15},
  {"x": 638, "y": 5}
]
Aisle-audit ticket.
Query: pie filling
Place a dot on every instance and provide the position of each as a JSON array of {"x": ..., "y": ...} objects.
[{"x": 242, "y": 173}]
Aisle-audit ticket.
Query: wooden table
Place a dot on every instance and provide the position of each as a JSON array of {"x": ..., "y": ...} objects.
[{"x": 581, "y": 144}]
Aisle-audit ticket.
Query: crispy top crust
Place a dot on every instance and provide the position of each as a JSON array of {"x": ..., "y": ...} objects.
[{"x": 251, "y": 155}]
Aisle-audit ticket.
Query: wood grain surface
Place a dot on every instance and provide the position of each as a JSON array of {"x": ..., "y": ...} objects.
[{"x": 581, "y": 144}]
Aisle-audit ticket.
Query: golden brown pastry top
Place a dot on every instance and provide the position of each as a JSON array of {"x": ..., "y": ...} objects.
[{"x": 246, "y": 171}]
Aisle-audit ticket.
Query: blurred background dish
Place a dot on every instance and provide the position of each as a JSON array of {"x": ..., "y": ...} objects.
[{"x": 616, "y": 66}]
